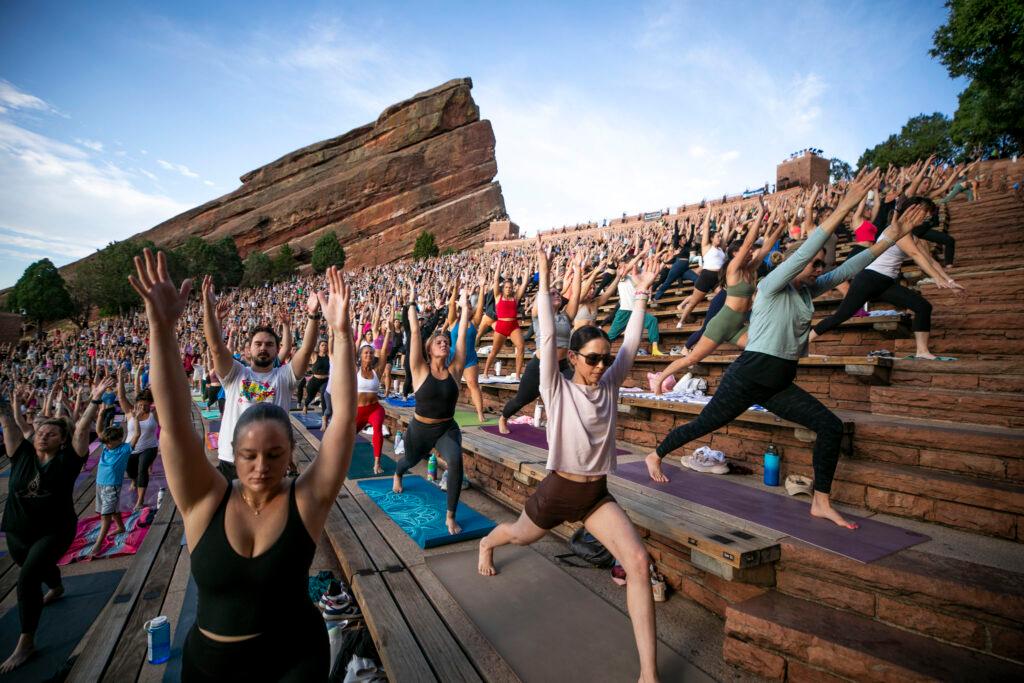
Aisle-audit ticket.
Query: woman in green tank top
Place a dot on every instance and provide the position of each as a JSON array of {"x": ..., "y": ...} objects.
[{"x": 730, "y": 323}]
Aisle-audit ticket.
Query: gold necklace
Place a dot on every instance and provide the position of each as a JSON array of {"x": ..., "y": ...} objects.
[{"x": 248, "y": 502}]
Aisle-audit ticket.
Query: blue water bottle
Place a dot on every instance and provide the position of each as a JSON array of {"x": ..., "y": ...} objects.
[
  {"x": 772, "y": 460},
  {"x": 159, "y": 631},
  {"x": 432, "y": 468}
]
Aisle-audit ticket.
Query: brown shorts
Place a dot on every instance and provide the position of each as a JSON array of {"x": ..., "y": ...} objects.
[{"x": 558, "y": 500}]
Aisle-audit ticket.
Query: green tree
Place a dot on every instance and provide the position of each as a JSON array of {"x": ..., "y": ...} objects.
[
  {"x": 41, "y": 295},
  {"x": 82, "y": 299},
  {"x": 983, "y": 40},
  {"x": 425, "y": 246},
  {"x": 327, "y": 252},
  {"x": 920, "y": 137},
  {"x": 227, "y": 263},
  {"x": 106, "y": 273},
  {"x": 839, "y": 170},
  {"x": 197, "y": 257},
  {"x": 257, "y": 269},
  {"x": 284, "y": 264}
]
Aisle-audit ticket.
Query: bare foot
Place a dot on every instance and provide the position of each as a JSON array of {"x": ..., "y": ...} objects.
[
  {"x": 377, "y": 469},
  {"x": 53, "y": 595},
  {"x": 397, "y": 488},
  {"x": 654, "y": 468},
  {"x": 20, "y": 655},
  {"x": 480, "y": 416},
  {"x": 486, "y": 563},
  {"x": 118, "y": 531},
  {"x": 924, "y": 356},
  {"x": 503, "y": 425},
  {"x": 95, "y": 550},
  {"x": 453, "y": 526},
  {"x": 821, "y": 507}
]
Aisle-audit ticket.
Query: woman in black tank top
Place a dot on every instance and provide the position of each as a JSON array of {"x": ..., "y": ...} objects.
[
  {"x": 252, "y": 540},
  {"x": 436, "y": 384}
]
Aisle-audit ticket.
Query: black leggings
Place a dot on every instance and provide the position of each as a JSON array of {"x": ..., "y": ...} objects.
[
  {"x": 739, "y": 389},
  {"x": 529, "y": 385},
  {"x": 38, "y": 561},
  {"x": 315, "y": 386},
  {"x": 446, "y": 437},
  {"x": 869, "y": 285},
  {"x": 301, "y": 655},
  {"x": 138, "y": 467},
  {"x": 947, "y": 242}
]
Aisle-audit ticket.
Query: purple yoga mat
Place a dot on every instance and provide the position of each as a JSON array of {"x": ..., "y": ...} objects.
[
  {"x": 872, "y": 541},
  {"x": 531, "y": 436}
]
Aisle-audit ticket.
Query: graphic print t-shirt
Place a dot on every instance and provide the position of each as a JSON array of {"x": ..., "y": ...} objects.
[{"x": 244, "y": 387}]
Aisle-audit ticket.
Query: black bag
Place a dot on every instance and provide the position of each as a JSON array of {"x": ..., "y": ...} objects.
[{"x": 585, "y": 546}]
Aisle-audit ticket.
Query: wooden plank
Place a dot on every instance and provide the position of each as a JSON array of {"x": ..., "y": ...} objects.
[
  {"x": 399, "y": 652},
  {"x": 440, "y": 647},
  {"x": 381, "y": 554},
  {"x": 130, "y": 653},
  {"x": 90, "y": 665},
  {"x": 173, "y": 602}
]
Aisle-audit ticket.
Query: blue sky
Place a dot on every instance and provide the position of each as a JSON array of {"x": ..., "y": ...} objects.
[{"x": 116, "y": 116}]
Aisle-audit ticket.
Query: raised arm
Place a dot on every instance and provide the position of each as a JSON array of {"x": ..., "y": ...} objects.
[
  {"x": 458, "y": 363},
  {"x": 301, "y": 360},
  {"x": 13, "y": 435},
  {"x": 740, "y": 257},
  {"x": 496, "y": 283},
  {"x": 478, "y": 314},
  {"x": 546, "y": 344},
  {"x": 382, "y": 359},
  {"x": 521, "y": 291},
  {"x": 190, "y": 476},
  {"x": 575, "y": 291},
  {"x": 323, "y": 479},
  {"x": 80, "y": 441},
  {"x": 452, "y": 310},
  {"x": 705, "y": 233},
  {"x": 417, "y": 365},
  {"x": 219, "y": 351},
  {"x": 285, "y": 317},
  {"x": 122, "y": 399}
]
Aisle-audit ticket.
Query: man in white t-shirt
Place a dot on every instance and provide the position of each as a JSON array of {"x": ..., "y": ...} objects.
[{"x": 259, "y": 383}]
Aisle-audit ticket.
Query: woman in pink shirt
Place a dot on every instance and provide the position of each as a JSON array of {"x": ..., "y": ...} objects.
[{"x": 581, "y": 453}]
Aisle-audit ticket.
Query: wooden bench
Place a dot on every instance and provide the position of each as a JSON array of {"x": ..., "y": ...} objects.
[
  {"x": 413, "y": 641},
  {"x": 729, "y": 546}
]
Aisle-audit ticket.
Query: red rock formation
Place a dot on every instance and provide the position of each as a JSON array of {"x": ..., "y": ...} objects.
[{"x": 426, "y": 164}]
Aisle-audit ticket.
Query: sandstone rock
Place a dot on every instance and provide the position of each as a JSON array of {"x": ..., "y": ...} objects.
[{"x": 426, "y": 164}]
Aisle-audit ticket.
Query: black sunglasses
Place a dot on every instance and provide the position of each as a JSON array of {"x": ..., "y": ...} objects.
[{"x": 592, "y": 359}]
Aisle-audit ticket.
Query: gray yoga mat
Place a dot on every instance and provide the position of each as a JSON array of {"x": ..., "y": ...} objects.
[
  {"x": 872, "y": 541},
  {"x": 545, "y": 624},
  {"x": 61, "y": 627}
]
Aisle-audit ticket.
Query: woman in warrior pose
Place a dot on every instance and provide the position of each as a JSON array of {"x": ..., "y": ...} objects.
[
  {"x": 506, "y": 306},
  {"x": 729, "y": 324},
  {"x": 368, "y": 408},
  {"x": 581, "y": 453},
  {"x": 435, "y": 382},
  {"x": 713, "y": 258},
  {"x": 779, "y": 327},
  {"x": 472, "y": 370},
  {"x": 252, "y": 540}
]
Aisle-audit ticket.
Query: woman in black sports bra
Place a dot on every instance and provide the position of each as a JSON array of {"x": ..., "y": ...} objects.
[
  {"x": 252, "y": 541},
  {"x": 436, "y": 383}
]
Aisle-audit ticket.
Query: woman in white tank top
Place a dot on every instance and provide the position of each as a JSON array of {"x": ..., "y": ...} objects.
[
  {"x": 712, "y": 259},
  {"x": 141, "y": 434},
  {"x": 368, "y": 408}
]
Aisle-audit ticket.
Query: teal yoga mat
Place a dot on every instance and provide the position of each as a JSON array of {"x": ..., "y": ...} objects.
[
  {"x": 420, "y": 511},
  {"x": 362, "y": 462},
  {"x": 211, "y": 414}
]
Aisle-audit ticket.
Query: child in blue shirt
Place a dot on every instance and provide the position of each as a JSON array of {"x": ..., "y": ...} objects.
[{"x": 109, "y": 476}]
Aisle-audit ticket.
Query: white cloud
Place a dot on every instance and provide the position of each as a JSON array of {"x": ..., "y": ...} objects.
[
  {"x": 179, "y": 168},
  {"x": 208, "y": 183},
  {"x": 151, "y": 176},
  {"x": 13, "y": 98},
  {"x": 94, "y": 145}
]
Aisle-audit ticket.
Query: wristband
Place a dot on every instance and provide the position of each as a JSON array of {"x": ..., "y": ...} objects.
[
  {"x": 885, "y": 237},
  {"x": 96, "y": 401},
  {"x": 314, "y": 316}
]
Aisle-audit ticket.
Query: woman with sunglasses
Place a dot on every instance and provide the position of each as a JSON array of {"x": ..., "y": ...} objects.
[
  {"x": 581, "y": 453},
  {"x": 779, "y": 326}
]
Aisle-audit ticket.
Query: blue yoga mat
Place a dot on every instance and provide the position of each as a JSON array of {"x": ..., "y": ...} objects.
[
  {"x": 309, "y": 419},
  {"x": 400, "y": 403},
  {"x": 362, "y": 462},
  {"x": 420, "y": 511},
  {"x": 63, "y": 624}
]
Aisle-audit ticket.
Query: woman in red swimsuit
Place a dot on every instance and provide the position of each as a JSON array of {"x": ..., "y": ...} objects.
[{"x": 506, "y": 307}]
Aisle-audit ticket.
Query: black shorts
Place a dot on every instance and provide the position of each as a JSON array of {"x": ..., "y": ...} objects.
[
  {"x": 558, "y": 500},
  {"x": 706, "y": 281}
]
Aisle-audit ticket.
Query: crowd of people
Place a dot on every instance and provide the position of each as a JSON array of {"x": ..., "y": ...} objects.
[{"x": 332, "y": 342}]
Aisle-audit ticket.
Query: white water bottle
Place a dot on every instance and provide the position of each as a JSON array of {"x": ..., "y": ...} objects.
[
  {"x": 497, "y": 369},
  {"x": 159, "y": 498},
  {"x": 538, "y": 410}
]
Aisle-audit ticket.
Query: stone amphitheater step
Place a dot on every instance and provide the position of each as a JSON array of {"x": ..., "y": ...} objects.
[
  {"x": 986, "y": 506},
  {"x": 784, "y": 638},
  {"x": 1001, "y": 408},
  {"x": 977, "y": 450},
  {"x": 1001, "y": 375}
]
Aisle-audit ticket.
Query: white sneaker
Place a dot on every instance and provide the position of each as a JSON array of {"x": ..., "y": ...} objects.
[{"x": 706, "y": 460}]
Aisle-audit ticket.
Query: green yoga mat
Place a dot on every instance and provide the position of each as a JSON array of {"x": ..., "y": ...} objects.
[
  {"x": 468, "y": 418},
  {"x": 362, "y": 462},
  {"x": 211, "y": 414}
]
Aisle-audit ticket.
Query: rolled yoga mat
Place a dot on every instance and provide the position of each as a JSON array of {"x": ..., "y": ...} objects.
[
  {"x": 420, "y": 511},
  {"x": 531, "y": 436},
  {"x": 63, "y": 625},
  {"x": 872, "y": 541},
  {"x": 546, "y": 624}
]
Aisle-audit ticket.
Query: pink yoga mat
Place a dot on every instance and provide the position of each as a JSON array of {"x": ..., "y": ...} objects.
[
  {"x": 872, "y": 541},
  {"x": 122, "y": 544},
  {"x": 531, "y": 436},
  {"x": 212, "y": 440}
]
